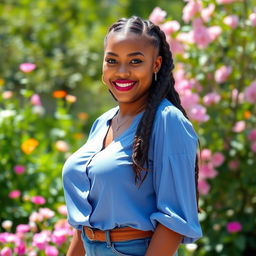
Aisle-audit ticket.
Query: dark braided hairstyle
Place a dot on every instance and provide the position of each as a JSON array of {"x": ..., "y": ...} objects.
[{"x": 160, "y": 89}]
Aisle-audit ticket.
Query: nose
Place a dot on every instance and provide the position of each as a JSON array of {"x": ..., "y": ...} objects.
[{"x": 123, "y": 71}]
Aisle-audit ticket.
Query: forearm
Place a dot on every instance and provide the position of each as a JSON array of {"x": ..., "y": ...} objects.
[
  {"x": 76, "y": 247},
  {"x": 164, "y": 242}
]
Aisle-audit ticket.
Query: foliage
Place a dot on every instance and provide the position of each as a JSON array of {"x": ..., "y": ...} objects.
[{"x": 215, "y": 55}]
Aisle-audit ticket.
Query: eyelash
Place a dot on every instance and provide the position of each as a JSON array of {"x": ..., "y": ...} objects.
[{"x": 113, "y": 61}]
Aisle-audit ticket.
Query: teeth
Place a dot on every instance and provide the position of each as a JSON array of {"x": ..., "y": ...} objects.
[{"x": 124, "y": 84}]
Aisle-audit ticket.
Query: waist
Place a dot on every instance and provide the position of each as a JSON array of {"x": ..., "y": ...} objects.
[{"x": 117, "y": 234}]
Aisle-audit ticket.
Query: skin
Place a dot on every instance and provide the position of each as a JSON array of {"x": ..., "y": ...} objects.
[{"x": 128, "y": 56}]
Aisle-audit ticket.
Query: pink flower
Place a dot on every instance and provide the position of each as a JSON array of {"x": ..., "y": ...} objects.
[
  {"x": 6, "y": 251},
  {"x": 20, "y": 248},
  {"x": 214, "y": 32},
  {"x": 206, "y": 154},
  {"x": 253, "y": 147},
  {"x": 51, "y": 251},
  {"x": 250, "y": 92},
  {"x": 32, "y": 253},
  {"x": 19, "y": 169},
  {"x": 35, "y": 100},
  {"x": 189, "y": 99},
  {"x": 170, "y": 27},
  {"x": 217, "y": 159},
  {"x": 239, "y": 126},
  {"x": 231, "y": 21},
  {"x": 234, "y": 226},
  {"x": 40, "y": 240},
  {"x": 62, "y": 146},
  {"x": 221, "y": 74},
  {"x": 198, "y": 113},
  {"x": 8, "y": 238},
  {"x": 59, "y": 236},
  {"x": 207, "y": 171},
  {"x": 200, "y": 34},
  {"x": 233, "y": 164},
  {"x": 46, "y": 213},
  {"x": 157, "y": 15},
  {"x": 225, "y": 1},
  {"x": 252, "y": 18},
  {"x": 252, "y": 135},
  {"x": 187, "y": 38},
  {"x": 235, "y": 94},
  {"x": 207, "y": 12},
  {"x": 35, "y": 217},
  {"x": 191, "y": 9},
  {"x": 14, "y": 194},
  {"x": 62, "y": 210},
  {"x": 211, "y": 98},
  {"x": 7, "y": 94},
  {"x": 183, "y": 86},
  {"x": 22, "y": 228},
  {"x": 38, "y": 200},
  {"x": 203, "y": 187},
  {"x": 27, "y": 67}
]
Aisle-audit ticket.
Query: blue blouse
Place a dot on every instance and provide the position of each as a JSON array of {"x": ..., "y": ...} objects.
[{"x": 99, "y": 186}]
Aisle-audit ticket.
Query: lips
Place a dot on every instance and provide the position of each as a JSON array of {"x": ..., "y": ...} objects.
[{"x": 124, "y": 85}]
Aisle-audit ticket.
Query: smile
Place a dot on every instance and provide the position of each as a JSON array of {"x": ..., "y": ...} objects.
[{"x": 124, "y": 85}]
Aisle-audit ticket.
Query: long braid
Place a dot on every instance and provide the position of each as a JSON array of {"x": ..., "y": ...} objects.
[{"x": 160, "y": 89}]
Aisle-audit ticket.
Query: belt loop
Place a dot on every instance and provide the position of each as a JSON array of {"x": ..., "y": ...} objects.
[{"x": 108, "y": 241}]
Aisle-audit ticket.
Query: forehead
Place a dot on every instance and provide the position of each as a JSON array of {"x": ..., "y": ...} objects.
[{"x": 128, "y": 42}]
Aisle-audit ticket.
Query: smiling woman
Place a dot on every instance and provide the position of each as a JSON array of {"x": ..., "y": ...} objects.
[
  {"x": 131, "y": 189},
  {"x": 129, "y": 64}
]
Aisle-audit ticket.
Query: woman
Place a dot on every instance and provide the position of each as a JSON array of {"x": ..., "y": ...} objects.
[{"x": 132, "y": 188}]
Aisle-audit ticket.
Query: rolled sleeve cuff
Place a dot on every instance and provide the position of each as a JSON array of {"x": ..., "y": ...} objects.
[{"x": 190, "y": 232}]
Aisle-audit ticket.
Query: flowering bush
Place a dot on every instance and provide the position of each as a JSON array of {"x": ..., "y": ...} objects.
[
  {"x": 34, "y": 145},
  {"x": 45, "y": 234},
  {"x": 215, "y": 53}
]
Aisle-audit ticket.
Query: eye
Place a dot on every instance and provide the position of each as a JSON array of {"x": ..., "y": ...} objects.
[
  {"x": 110, "y": 61},
  {"x": 136, "y": 61}
]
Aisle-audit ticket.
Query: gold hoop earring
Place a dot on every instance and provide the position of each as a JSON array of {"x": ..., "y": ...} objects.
[
  {"x": 155, "y": 76},
  {"x": 102, "y": 79}
]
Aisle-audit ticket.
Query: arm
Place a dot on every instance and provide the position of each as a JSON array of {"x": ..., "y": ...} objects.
[
  {"x": 164, "y": 242},
  {"x": 76, "y": 247}
]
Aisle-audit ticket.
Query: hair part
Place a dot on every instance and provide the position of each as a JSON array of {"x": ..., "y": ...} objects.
[{"x": 160, "y": 89}]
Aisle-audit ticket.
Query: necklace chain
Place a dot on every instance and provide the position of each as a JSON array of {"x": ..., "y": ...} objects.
[{"x": 117, "y": 126}]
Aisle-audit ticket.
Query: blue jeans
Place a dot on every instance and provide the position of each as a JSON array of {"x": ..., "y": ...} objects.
[{"x": 136, "y": 247}]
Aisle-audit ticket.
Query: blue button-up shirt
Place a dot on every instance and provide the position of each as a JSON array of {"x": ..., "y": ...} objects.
[{"x": 99, "y": 186}]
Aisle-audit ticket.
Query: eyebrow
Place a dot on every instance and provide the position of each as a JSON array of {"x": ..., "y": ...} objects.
[{"x": 130, "y": 54}]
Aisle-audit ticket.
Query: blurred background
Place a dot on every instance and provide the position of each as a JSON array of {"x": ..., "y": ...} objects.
[{"x": 51, "y": 92}]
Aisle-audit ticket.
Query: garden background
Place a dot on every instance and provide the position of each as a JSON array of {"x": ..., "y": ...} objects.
[{"x": 51, "y": 92}]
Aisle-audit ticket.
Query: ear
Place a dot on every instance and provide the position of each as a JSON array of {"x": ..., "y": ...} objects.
[{"x": 157, "y": 64}]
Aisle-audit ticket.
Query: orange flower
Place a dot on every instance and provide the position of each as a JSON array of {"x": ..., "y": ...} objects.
[
  {"x": 78, "y": 136},
  {"x": 1, "y": 82},
  {"x": 82, "y": 116},
  {"x": 59, "y": 94},
  {"x": 29, "y": 145},
  {"x": 247, "y": 114}
]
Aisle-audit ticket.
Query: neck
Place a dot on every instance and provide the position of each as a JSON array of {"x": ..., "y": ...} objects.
[{"x": 132, "y": 109}]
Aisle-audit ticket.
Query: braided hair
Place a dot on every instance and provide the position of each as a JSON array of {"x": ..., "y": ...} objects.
[{"x": 160, "y": 89}]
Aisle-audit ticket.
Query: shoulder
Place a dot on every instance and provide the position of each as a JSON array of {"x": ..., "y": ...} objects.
[
  {"x": 171, "y": 125},
  {"x": 107, "y": 115},
  {"x": 103, "y": 119}
]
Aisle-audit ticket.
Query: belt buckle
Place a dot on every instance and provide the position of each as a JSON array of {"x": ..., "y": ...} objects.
[{"x": 92, "y": 232}]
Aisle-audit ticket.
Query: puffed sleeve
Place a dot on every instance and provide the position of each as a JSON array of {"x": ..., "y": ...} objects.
[{"x": 174, "y": 144}]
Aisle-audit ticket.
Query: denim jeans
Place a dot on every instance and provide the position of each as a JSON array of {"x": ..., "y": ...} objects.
[{"x": 136, "y": 247}]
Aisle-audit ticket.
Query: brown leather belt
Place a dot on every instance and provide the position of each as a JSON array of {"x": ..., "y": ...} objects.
[{"x": 117, "y": 234}]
